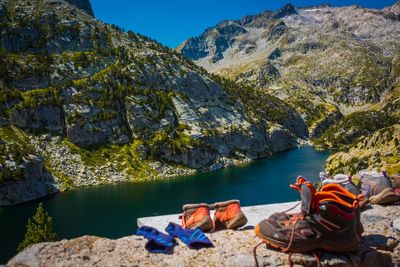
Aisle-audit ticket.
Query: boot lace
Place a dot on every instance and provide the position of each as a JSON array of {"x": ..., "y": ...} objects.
[{"x": 293, "y": 221}]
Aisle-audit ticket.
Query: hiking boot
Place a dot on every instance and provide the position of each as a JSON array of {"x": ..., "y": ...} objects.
[
  {"x": 377, "y": 187},
  {"x": 197, "y": 216},
  {"x": 395, "y": 179},
  {"x": 344, "y": 181},
  {"x": 228, "y": 215},
  {"x": 349, "y": 198},
  {"x": 336, "y": 189},
  {"x": 325, "y": 222},
  {"x": 277, "y": 218},
  {"x": 386, "y": 197}
]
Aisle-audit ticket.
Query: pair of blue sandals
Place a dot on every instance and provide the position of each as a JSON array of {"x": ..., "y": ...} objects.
[{"x": 162, "y": 243}]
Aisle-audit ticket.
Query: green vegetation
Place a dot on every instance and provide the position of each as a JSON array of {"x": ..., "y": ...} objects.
[
  {"x": 351, "y": 128},
  {"x": 37, "y": 97},
  {"x": 177, "y": 142},
  {"x": 313, "y": 111},
  {"x": 26, "y": 66},
  {"x": 39, "y": 229},
  {"x": 258, "y": 105},
  {"x": 126, "y": 157},
  {"x": 7, "y": 98}
]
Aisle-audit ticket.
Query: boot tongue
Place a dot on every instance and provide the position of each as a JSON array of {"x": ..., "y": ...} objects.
[{"x": 306, "y": 194}]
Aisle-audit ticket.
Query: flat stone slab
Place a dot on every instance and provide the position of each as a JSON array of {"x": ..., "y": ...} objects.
[{"x": 254, "y": 215}]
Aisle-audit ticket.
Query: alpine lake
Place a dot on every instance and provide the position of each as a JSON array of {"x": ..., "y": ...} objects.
[{"x": 112, "y": 210}]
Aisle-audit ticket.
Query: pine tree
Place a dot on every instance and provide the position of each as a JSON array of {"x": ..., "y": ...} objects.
[{"x": 39, "y": 229}]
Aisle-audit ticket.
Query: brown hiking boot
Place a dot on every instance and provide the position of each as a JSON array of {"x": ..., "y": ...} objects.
[
  {"x": 386, "y": 197},
  {"x": 395, "y": 179},
  {"x": 378, "y": 188},
  {"x": 325, "y": 222},
  {"x": 197, "y": 216},
  {"x": 228, "y": 215}
]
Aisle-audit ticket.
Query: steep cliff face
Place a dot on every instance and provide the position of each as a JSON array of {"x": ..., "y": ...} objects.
[{"x": 91, "y": 96}]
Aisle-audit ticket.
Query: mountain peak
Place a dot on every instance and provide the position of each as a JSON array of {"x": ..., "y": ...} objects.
[
  {"x": 395, "y": 8},
  {"x": 82, "y": 4},
  {"x": 286, "y": 10}
]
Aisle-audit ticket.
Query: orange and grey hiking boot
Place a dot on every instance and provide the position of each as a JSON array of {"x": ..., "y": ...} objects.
[
  {"x": 278, "y": 217},
  {"x": 228, "y": 215},
  {"x": 351, "y": 199},
  {"x": 197, "y": 216},
  {"x": 325, "y": 222},
  {"x": 336, "y": 189}
]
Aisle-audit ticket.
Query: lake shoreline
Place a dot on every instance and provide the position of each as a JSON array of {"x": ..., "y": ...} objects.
[{"x": 262, "y": 181}]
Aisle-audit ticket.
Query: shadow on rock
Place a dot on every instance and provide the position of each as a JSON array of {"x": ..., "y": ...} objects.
[{"x": 37, "y": 183}]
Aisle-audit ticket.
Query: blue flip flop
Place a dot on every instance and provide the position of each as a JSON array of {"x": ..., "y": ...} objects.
[
  {"x": 194, "y": 239},
  {"x": 158, "y": 242}
]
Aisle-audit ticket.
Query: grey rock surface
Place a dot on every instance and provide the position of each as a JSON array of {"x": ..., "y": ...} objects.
[
  {"x": 40, "y": 118},
  {"x": 396, "y": 225},
  {"x": 37, "y": 182}
]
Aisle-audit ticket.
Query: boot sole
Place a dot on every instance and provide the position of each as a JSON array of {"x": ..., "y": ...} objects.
[
  {"x": 387, "y": 200},
  {"x": 331, "y": 246},
  {"x": 238, "y": 222},
  {"x": 206, "y": 225}
]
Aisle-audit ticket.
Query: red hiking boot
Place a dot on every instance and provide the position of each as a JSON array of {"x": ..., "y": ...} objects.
[
  {"x": 197, "y": 216},
  {"x": 228, "y": 215}
]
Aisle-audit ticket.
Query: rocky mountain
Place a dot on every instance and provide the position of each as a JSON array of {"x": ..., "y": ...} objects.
[
  {"x": 82, "y": 4},
  {"x": 83, "y": 102},
  {"x": 337, "y": 66}
]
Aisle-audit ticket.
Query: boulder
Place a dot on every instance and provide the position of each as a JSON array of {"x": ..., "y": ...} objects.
[{"x": 280, "y": 139}]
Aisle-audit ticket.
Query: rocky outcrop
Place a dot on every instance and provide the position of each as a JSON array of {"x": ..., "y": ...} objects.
[
  {"x": 380, "y": 247},
  {"x": 40, "y": 118},
  {"x": 36, "y": 182},
  {"x": 280, "y": 139},
  {"x": 82, "y": 4}
]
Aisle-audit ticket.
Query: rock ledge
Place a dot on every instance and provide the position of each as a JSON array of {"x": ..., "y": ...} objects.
[{"x": 380, "y": 247}]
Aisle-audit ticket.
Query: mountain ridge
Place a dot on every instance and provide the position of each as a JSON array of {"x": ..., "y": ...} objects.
[{"x": 326, "y": 62}]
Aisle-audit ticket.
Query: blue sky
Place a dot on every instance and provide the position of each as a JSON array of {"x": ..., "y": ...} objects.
[{"x": 173, "y": 21}]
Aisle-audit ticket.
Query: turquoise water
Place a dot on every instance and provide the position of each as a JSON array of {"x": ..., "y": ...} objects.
[{"x": 112, "y": 210}]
